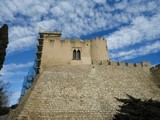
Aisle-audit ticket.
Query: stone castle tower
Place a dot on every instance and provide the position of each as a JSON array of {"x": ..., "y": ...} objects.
[
  {"x": 69, "y": 52},
  {"x": 77, "y": 81}
]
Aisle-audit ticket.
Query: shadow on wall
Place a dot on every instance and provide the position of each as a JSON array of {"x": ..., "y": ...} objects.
[
  {"x": 155, "y": 73},
  {"x": 136, "y": 109},
  {"x": 4, "y": 117}
]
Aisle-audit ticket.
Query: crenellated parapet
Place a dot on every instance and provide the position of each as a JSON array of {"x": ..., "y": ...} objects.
[
  {"x": 155, "y": 73},
  {"x": 124, "y": 64},
  {"x": 155, "y": 69},
  {"x": 77, "y": 41}
]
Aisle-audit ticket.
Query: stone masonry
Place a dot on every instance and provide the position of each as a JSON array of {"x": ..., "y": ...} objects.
[{"x": 84, "y": 91}]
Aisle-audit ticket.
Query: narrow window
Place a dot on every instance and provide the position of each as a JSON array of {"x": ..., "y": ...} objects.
[
  {"x": 78, "y": 55},
  {"x": 74, "y": 54}
]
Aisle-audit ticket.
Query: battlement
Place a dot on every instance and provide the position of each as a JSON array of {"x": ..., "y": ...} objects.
[
  {"x": 124, "y": 64},
  {"x": 51, "y": 36},
  {"x": 155, "y": 69},
  {"x": 98, "y": 39},
  {"x": 76, "y": 40},
  {"x": 155, "y": 73}
]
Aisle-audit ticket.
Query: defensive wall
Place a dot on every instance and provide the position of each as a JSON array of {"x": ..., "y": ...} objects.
[
  {"x": 88, "y": 92},
  {"x": 155, "y": 72},
  {"x": 123, "y": 64}
]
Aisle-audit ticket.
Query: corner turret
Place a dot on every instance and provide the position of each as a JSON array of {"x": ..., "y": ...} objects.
[{"x": 99, "y": 51}]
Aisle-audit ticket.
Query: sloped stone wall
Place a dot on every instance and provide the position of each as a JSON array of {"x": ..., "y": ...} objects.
[
  {"x": 85, "y": 92},
  {"x": 155, "y": 73}
]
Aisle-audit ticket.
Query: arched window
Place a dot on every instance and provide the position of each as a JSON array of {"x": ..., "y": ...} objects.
[
  {"x": 78, "y": 55},
  {"x": 74, "y": 54}
]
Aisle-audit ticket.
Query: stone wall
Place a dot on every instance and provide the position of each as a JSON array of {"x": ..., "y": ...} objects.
[
  {"x": 99, "y": 50},
  {"x": 86, "y": 91},
  {"x": 55, "y": 51},
  {"x": 155, "y": 73}
]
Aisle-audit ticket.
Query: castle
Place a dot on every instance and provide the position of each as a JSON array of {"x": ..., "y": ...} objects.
[
  {"x": 76, "y": 80},
  {"x": 71, "y": 52}
]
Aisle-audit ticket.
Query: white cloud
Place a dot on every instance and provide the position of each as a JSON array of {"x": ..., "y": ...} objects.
[
  {"x": 100, "y": 1},
  {"x": 142, "y": 7},
  {"x": 14, "y": 66},
  {"x": 21, "y": 38},
  {"x": 57, "y": 11},
  {"x": 46, "y": 24},
  {"x": 21, "y": 44},
  {"x": 133, "y": 53},
  {"x": 142, "y": 29},
  {"x": 14, "y": 98},
  {"x": 78, "y": 18},
  {"x": 15, "y": 69},
  {"x": 121, "y": 5},
  {"x": 20, "y": 32}
]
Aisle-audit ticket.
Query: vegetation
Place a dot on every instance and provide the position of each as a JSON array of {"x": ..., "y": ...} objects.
[
  {"x": 3, "y": 98},
  {"x": 136, "y": 109},
  {"x": 3, "y": 45},
  {"x": 3, "y": 94}
]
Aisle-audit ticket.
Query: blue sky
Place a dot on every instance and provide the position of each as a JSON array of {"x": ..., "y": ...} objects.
[{"x": 131, "y": 27}]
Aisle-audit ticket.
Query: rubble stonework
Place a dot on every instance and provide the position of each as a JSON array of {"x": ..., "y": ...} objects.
[
  {"x": 155, "y": 72},
  {"x": 84, "y": 89}
]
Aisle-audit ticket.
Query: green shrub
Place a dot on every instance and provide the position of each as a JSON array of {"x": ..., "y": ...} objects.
[{"x": 136, "y": 109}]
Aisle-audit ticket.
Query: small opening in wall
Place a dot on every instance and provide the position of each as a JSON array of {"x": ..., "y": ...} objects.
[
  {"x": 135, "y": 65},
  {"x": 76, "y": 54},
  {"x": 51, "y": 40},
  {"x": 109, "y": 63},
  {"x": 126, "y": 64},
  {"x": 100, "y": 62},
  {"x": 118, "y": 63}
]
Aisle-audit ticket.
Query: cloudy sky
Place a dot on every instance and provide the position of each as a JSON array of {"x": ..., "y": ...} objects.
[{"x": 132, "y": 30}]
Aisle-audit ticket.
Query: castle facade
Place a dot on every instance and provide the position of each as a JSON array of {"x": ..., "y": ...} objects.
[{"x": 70, "y": 52}]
